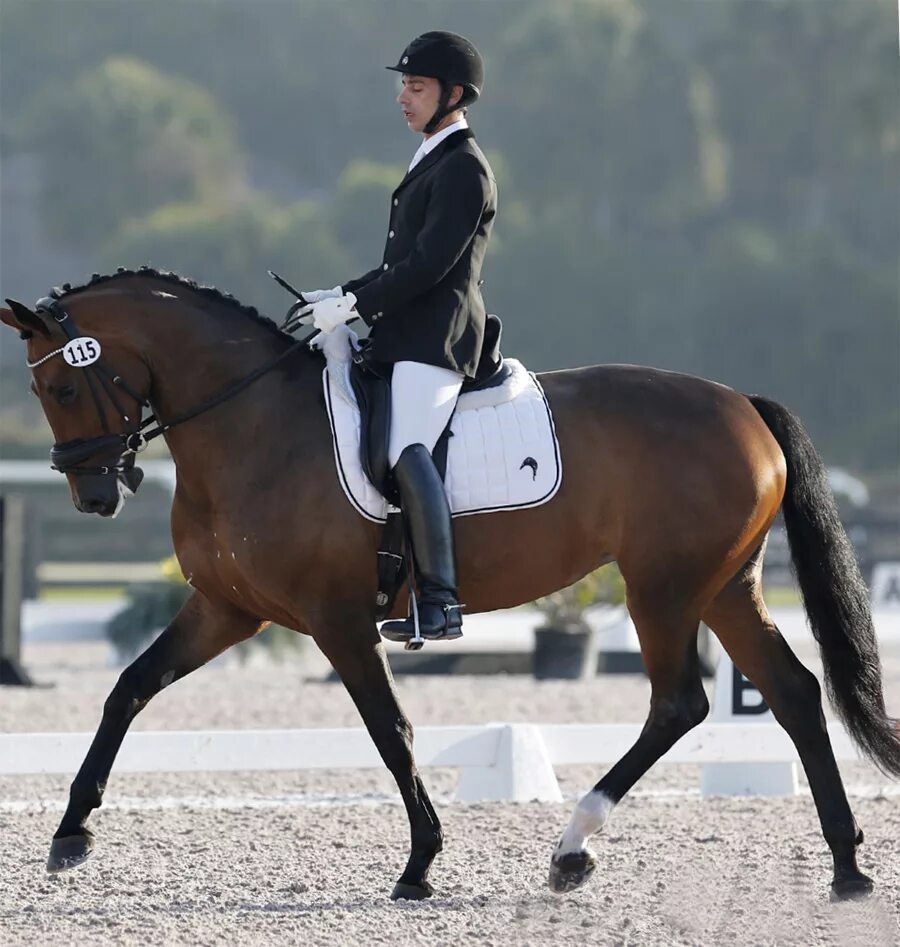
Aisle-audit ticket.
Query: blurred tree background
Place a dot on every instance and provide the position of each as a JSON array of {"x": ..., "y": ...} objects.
[{"x": 704, "y": 187}]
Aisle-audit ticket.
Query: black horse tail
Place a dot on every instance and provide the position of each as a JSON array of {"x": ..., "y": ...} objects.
[{"x": 834, "y": 592}]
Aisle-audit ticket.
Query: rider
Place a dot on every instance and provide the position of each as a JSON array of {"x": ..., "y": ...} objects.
[{"x": 423, "y": 302}]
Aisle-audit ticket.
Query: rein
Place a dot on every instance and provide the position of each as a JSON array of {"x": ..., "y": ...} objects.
[{"x": 68, "y": 457}]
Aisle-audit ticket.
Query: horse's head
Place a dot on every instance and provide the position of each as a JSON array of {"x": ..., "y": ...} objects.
[{"x": 92, "y": 384}]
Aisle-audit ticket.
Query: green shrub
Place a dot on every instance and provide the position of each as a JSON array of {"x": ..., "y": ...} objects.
[
  {"x": 153, "y": 605},
  {"x": 565, "y": 609}
]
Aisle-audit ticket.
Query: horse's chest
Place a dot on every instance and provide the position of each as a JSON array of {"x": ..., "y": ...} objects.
[{"x": 221, "y": 563}]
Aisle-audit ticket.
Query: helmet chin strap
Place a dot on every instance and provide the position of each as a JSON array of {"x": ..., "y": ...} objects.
[{"x": 443, "y": 109}]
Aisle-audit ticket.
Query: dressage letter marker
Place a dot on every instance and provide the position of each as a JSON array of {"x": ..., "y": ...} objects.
[
  {"x": 738, "y": 701},
  {"x": 745, "y": 698}
]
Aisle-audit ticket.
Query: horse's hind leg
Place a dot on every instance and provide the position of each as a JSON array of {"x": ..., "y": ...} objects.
[
  {"x": 352, "y": 645},
  {"x": 677, "y": 704},
  {"x": 741, "y": 621},
  {"x": 199, "y": 632}
]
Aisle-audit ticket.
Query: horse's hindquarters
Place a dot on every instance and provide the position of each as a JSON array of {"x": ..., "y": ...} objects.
[{"x": 675, "y": 477}]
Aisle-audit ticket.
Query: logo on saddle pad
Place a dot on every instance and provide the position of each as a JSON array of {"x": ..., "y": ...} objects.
[{"x": 532, "y": 463}]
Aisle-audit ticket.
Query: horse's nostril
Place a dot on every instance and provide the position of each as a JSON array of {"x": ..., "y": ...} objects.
[{"x": 93, "y": 506}]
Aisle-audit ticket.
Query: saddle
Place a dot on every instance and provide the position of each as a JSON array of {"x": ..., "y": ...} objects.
[{"x": 371, "y": 384}]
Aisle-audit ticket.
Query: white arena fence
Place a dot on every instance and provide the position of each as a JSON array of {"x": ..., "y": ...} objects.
[{"x": 497, "y": 762}]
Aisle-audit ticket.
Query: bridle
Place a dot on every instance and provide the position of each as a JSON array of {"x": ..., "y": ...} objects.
[{"x": 70, "y": 456}]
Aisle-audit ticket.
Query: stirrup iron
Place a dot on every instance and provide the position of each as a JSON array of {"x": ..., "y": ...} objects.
[{"x": 417, "y": 642}]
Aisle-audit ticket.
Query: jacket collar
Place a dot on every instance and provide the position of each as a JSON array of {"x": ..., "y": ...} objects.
[{"x": 448, "y": 144}]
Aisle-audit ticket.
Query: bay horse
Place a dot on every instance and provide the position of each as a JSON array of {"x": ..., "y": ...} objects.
[{"x": 674, "y": 477}]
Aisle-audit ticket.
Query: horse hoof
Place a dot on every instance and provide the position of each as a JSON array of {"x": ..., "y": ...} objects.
[
  {"x": 851, "y": 888},
  {"x": 571, "y": 871},
  {"x": 68, "y": 852},
  {"x": 405, "y": 892}
]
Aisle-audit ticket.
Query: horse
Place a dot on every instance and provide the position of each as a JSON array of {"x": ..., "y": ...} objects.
[{"x": 676, "y": 478}]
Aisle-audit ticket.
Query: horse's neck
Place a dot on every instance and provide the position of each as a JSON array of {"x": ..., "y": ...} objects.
[{"x": 206, "y": 356}]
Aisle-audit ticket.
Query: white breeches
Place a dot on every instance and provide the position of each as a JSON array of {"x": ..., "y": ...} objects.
[{"x": 422, "y": 400}]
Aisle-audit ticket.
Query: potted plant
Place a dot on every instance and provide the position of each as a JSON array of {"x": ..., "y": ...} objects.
[
  {"x": 565, "y": 643},
  {"x": 151, "y": 606}
]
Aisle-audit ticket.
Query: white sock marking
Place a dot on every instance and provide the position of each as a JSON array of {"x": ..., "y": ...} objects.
[{"x": 590, "y": 815}]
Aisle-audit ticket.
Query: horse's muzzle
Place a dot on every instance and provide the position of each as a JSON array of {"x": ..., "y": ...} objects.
[
  {"x": 98, "y": 505},
  {"x": 105, "y": 494}
]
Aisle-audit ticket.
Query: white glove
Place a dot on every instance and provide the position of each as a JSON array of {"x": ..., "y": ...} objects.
[
  {"x": 317, "y": 295},
  {"x": 330, "y": 313}
]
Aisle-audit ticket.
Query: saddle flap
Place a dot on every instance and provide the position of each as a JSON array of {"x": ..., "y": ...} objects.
[
  {"x": 371, "y": 384},
  {"x": 372, "y": 387}
]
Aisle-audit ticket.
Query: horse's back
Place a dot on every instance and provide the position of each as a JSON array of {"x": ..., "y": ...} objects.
[
  {"x": 651, "y": 399},
  {"x": 621, "y": 382},
  {"x": 657, "y": 440}
]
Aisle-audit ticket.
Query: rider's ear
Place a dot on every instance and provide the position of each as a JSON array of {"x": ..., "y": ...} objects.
[{"x": 21, "y": 318}]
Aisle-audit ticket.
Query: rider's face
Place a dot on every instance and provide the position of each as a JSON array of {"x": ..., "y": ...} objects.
[{"x": 418, "y": 98}]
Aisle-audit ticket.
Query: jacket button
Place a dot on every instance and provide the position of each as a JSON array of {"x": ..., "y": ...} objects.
[
  {"x": 377, "y": 315},
  {"x": 385, "y": 266},
  {"x": 391, "y": 235},
  {"x": 396, "y": 202}
]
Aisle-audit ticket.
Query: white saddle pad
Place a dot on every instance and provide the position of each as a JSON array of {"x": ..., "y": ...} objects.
[{"x": 503, "y": 454}]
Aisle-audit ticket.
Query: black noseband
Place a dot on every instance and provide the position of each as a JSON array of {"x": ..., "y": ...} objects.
[
  {"x": 70, "y": 458},
  {"x": 72, "y": 454}
]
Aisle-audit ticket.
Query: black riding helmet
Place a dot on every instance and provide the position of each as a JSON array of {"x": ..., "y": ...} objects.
[{"x": 449, "y": 58}]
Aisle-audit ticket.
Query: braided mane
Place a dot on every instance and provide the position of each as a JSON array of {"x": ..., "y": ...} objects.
[{"x": 210, "y": 292}]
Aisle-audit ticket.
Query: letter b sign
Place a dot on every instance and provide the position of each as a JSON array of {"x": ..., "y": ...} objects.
[{"x": 746, "y": 700}]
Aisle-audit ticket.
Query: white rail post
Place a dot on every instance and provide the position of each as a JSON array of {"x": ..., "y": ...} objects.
[
  {"x": 738, "y": 701},
  {"x": 12, "y": 564},
  {"x": 522, "y": 771}
]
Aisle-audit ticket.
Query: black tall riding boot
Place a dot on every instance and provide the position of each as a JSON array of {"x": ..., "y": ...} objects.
[{"x": 427, "y": 515}]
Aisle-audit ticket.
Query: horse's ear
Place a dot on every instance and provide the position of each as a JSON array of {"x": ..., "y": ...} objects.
[{"x": 21, "y": 318}]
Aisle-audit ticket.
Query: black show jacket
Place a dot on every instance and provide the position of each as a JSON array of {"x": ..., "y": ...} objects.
[{"x": 424, "y": 303}]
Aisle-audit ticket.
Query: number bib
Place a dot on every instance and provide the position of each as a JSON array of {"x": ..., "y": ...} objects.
[{"x": 82, "y": 351}]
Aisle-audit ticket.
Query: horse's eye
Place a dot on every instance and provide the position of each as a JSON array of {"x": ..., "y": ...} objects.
[{"x": 65, "y": 394}]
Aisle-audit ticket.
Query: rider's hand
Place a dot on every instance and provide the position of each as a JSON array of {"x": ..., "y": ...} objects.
[
  {"x": 330, "y": 313},
  {"x": 317, "y": 295}
]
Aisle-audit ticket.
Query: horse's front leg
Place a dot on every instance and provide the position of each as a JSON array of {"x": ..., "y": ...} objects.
[
  {"x": 200, "y": 631},
  {"x": 352, "y": 644}
]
